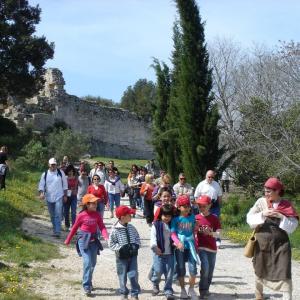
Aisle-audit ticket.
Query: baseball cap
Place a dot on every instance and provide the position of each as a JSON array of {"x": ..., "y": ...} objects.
[
  {"x": 89, "y": 198},
  {"x": 124, "y": 210},
  {"x": 52, "y": 161},
  {"x": 183, "y": 200},
  {"x": 204, "y": 199}
]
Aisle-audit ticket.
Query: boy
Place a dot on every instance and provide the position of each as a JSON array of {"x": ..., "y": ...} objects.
[
  {"x": 209, "y": 228},
  {"x": 125, "y": 241}
]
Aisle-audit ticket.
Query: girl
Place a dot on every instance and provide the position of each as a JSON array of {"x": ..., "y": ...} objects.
[
  {"x": 146, "y": 191},
  {"x": 99, "y": 191},
  {"x": 164, "y": 196},
  {"x": 182, "y": 233},
  {"x": 163, "y": 257},
  {"x": 71, "y": 201},
  {"x": 208, "y": 229},
  {"x": 114, "y": 188},
  {"x": 88, "y": 245}
]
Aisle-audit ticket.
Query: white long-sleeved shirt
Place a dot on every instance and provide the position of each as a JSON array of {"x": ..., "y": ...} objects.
[
  {"x": 55, "y": 185},
  {"x": 255, "y": 216},
  {"x": 116, "y": 188}
]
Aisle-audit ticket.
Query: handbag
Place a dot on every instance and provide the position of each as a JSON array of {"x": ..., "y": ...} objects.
[
  {"x": 128, "y": 250},
  {"x": 249, "y": 248}
]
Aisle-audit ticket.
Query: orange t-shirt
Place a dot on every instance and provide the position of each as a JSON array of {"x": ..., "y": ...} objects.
[{"x": 148, "y": 188}]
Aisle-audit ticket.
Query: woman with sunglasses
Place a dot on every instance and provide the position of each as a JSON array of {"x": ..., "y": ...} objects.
[
  {"x": 98, "y": 190},
  {"x": 273, "y": 219}
]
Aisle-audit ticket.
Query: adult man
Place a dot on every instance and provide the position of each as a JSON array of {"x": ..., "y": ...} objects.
[
  {"x": 93, "y": 171},
  {"x": 211, "y": 188},
  {"x": 182, "y": 187},
  {"x": 53, "y": 188},
  {"x": 101, "y": 172}
]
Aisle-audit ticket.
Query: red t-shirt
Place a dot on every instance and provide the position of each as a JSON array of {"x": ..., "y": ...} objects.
[
  {"x": 72, "y": 185},
  {"x": 87, "y": 221},
  {"x": 205, "y": 241},
  {"x": 100, "y": 192}
]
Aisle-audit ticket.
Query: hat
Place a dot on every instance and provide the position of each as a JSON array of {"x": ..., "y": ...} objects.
[
  {"x": 124, "y": 210},
  {"x": 183, "y": 200},
  {"x": 52, "y": 161},
  {"x": 274, "y": 184},
  {"x": 204, "y": 199},
  {"x": 89, "y": 198}
]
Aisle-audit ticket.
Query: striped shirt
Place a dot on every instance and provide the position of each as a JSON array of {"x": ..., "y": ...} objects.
[{"x": 118, "y": 237}]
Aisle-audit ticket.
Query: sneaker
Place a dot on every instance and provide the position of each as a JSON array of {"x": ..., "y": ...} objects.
[
  {"x": 204, "y": 294},
  {"x": 155, "y": 290},
  {"x": 218, "y": 243},
  {"x": 183, "y": 294},
  {"x": 87, "y": 292},
  {"x": 170, "y": 297},
  {"x": 192, "y": 293}
]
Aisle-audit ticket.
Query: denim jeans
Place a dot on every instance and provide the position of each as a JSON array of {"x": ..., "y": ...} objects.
[
  {"x": 163, "y": 265},
  {"x": 114, "y": 200},
  {"x": 181, "y": 258},
  {"x": 208, "y": 260},
  {"x": 128, "y": 267},
  {"x": 71, "y": 203},
  {"x": 89, "y": 257},
  {"x": 100, "y": 208},
  {"x": 55, "y": 212}
]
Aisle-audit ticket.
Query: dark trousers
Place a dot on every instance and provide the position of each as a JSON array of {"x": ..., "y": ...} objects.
[{"x": 148, "y": 210}]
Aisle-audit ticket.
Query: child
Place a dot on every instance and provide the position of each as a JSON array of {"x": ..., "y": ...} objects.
[
  {"x": 88, "y": 245},
  {"x": 182, "y": 233},
  {"x": 163, "y": 258},
  {"x": 146, "y": 192},
  {"x": 164, "y": 196},
  {"x": 125, "y": 241},
  {"x": 209, "y": 228}
]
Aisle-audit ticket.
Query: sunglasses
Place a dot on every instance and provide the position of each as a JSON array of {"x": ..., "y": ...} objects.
[
  {"x": 182, "y": 178},
  {"x": 96, "y": 179}
]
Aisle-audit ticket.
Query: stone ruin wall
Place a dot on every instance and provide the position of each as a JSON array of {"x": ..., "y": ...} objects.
[{"x": 114, "y": 132}]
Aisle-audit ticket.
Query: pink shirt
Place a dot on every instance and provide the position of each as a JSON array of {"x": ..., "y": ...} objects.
[{"x": 88, "y": 221}]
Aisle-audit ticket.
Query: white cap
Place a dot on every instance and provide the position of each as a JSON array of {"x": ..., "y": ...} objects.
[{"x": 52, "y": 161}]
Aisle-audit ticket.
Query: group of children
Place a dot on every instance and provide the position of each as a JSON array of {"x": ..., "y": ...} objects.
[{"x": 177, "y": 236}]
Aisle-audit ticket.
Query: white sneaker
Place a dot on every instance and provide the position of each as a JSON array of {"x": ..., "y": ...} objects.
[
  {"x": 192, "y": 293},
  {"x": 218, "y": 244},
  {"x": 183, "y": 294}
]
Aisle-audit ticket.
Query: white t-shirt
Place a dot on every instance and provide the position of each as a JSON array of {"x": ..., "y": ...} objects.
[{"x": 213, "y": 189}]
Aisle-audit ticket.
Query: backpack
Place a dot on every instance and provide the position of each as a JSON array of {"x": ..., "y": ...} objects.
[{"x": 58, "y": 174}]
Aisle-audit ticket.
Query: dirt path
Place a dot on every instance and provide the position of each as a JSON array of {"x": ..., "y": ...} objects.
[{"x": 61, "y": 278}]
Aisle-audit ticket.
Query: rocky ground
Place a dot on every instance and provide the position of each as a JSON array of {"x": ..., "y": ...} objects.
[{"x": 61, "y": 278}]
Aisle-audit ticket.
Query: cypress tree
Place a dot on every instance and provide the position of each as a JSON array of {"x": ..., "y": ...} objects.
[{"x": 198, "y": 117}]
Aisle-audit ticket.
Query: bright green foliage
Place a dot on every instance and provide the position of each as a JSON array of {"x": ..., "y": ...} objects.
[
  {"x": 140, "y": 98},
  {"x": 100, "y": 101},
  {"x": 22, "y": 54},
  {"x": 65, "y": 142}
]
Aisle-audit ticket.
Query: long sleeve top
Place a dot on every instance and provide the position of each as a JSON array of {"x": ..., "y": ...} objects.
[
  {"x": 54, "y": 186},
  {"x": 88, "y": 221},
  {"x": 114, "y": 185},
  {"x": 118, "y": 236},
  {"x": 99, "y": 192},
  {"x": 255, "y": 216}
]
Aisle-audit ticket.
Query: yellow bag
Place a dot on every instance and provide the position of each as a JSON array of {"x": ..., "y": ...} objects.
[{"x": 249, "y": 248}]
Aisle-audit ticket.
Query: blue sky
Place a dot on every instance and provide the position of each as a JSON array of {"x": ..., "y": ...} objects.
[{"x": 103, "y": 46}]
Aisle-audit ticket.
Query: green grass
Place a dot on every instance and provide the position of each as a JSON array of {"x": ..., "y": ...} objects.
[
  {"x": 233, "y": 218},
  {"x": 18, "y": 249},
  {"x": 123, "y": 165}
]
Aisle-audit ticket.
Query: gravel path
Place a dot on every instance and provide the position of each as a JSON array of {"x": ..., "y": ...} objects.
[{"x": 61, "y": 278}]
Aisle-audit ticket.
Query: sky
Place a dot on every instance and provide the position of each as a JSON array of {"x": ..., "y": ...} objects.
[{"x": 104, "y": 46}]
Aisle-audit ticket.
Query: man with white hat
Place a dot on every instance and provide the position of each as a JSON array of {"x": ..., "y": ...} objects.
[{"x": 53, "y": 188}]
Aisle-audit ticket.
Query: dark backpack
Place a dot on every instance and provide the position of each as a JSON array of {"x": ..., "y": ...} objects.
[{"x": 58, "y": 174}]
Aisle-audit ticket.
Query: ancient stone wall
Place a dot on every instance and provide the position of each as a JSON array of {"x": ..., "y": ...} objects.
[{"x": 113, "y": 132}]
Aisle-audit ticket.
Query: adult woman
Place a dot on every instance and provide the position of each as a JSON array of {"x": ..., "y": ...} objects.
[
  {"x": 273, "y": 218},
  {"x": 3, "y": 166},
  {"x": 146, "y": 191},
  {"x": 98, "y": 190}
]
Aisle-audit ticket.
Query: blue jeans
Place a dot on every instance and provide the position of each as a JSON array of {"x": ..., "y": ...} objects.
[
  {"x": 181, "y": 258},
  {"x": 163, "y": 264},
  {"x": 128, "y": 267},
  {"x": 55, "y": 212},
  {"x": 208, "y": 260},
  {"x": 71, "y": 203},
  {"x": 89, "y": 257},
  {"x": 114, "y": 199},
  {"x": 100, "y": 208}
]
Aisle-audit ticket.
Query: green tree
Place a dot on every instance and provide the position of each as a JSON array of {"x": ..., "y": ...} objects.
[
  {"x": 198, "y": 114},
  {"x": 22, "y": 54},
  {"x": 140, "y": 98},
  {"x": 63, "y": 142},
  {"x": 100, "y": 101}
]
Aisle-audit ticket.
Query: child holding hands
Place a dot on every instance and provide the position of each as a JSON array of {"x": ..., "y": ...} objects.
[{"x": 88, "y": 244}]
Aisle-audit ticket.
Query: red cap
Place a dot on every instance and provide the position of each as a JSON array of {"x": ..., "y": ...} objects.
[
  {"x": 89, "y": 198},
  {"x": 183, "y": 200},
  {"x": 274, "y": 184},
  {"x": 123, "y": 211},
  {"x": 204, "y": 199}
]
